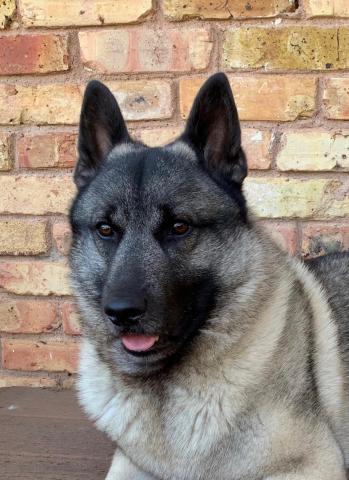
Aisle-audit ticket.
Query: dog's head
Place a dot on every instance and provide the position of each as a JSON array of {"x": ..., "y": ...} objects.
[{"x": 158, "y": 233}]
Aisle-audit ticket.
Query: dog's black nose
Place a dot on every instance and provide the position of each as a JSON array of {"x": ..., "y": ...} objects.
[{"x": 122, "y": 311}]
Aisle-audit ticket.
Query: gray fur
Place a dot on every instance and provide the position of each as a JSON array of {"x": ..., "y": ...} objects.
[{"x": 251, "y": 383}]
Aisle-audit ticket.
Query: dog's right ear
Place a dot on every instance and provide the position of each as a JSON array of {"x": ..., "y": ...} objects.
[{"x": 101, "y": 128}]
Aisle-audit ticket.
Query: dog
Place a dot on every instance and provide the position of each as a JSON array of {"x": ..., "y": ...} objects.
[{"x": 207, "y": 354}]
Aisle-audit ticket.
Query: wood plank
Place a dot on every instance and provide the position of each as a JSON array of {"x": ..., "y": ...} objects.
[
  {"x": 21, "y": 466},
  {"x": 44, "y": 435},
  {"x": 19, "y": 401}
]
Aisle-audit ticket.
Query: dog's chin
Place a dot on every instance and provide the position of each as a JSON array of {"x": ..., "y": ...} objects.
[{"x": 143, "y": 363}]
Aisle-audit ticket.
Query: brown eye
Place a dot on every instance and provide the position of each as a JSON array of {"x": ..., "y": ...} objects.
[
  {"x": 104, "y": 230},
  {"x": 179, "y": 228}
]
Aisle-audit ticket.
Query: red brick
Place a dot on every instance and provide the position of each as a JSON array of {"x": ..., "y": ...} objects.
[
  {"x": 28, "y": 316},
  {"x": 21, "y": 54},
  {"x": 320, "y": 239},
  {"x": 150, "y": 50},
  {"x": 284, "y": 235},
  {"x": 70, "y": 318},
  {"x": 264, "y": 97},
  {"x": 62, "y": 236},
  {"x": 47, "y": 151},
  {"x": 336, "y": 98},
  {"x": 40, "y": 355},
  {"x": 256, "y": 144}
]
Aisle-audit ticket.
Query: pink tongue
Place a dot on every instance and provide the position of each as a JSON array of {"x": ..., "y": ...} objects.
[{"x": 138, "y": 343}]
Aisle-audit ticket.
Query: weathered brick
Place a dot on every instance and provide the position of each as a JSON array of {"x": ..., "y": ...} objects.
[
  {"x": 22, "y": 54},
  {"x": 313, "y": 150},
  {"x": 7, "y": 11},
  {"x": 5, "y": 153},
  {"x": 318, "y": 198},
  {"x": 291, "y": 48},
  {"x": 151, "y": 50},
  {"x": 326, "y": 8},
  {"x": 61, "y": 104},
  {"x": 66, "y": 13},
  {"x": 40, "y": 355},
  {"x": 33, "y": 382},
  {"x": 47, "y": 151},
  {"x": 62, "y": 236},
  {"x": 284, "y": 235},
  {"x": 143, "y": 99},
  {"x": 28, "y": 316},
  {"x": 35, "y": 278},
  {"x": 37, "y": 195},
  {"x": 159, "y": 136},
  {"x": 336, "y": 98},
  {"x": 216, "y": 9},
  {"x": 256, "y": 144},
  {"x": 70, "y": 318},
  {"x": 320, "y": 239},
  {"x": 265, "y": 97},
  {"x": 40, "y": 104},
  {"x": 23, "y": 237}
]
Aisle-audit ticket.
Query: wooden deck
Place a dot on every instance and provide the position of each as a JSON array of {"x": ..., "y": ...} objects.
[{"x": 44, "y": 435}]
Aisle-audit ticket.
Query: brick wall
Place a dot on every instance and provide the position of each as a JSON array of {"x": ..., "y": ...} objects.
[{"x": 288, "y": 62}]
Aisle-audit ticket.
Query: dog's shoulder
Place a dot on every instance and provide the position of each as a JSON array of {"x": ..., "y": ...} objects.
[{"x": 332, "y": 271}]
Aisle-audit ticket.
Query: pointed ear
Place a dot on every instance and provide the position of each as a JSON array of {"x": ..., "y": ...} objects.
[
  {"x": 101, "y": 128},
  {"x": 213, "y": 128}
]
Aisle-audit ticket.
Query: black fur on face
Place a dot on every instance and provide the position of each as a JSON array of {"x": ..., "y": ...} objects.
[{"x": 148, "y": 223}]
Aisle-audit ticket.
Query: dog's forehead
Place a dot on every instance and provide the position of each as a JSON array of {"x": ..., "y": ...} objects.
[
  {"x": 144, "y": 180},
  {"x": 157, "y": 172}
]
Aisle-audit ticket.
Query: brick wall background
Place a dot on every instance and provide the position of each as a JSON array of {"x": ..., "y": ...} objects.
[{"x": 288, "y": 62}]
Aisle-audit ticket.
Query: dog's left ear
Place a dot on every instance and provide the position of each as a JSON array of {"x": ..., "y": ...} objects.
[
  {"x": 101, "y": 128},
  {"x": 213, "y": 128}
]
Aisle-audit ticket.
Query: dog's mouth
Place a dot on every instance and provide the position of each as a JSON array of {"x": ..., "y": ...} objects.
[{"x": 139, "y": 344}]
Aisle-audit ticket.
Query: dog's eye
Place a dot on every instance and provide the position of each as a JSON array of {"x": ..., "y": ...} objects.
[
  {"x": 179, "y": 228},
  {"x": 104, "y": 230}
]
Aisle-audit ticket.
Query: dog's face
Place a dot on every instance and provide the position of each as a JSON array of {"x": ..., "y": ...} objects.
[{"x": 151, "y": 227}]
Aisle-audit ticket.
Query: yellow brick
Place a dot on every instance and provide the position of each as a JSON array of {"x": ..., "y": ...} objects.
[
  {"x": 65, "y": 13},
  {"x": 23, "y": 237},
  {"x": 37, "y": 195},
  {"x": 35, "y": 278},
  {"x": 314, "y": 150},
  {"x": 61, "y": 104},
  {"x": 291, "y": 48},
  {"x": 159, "y": 136},
  {"x": 7, "y": 10},
  {"x": 217, "y": 9},
  {"x": 326, "y": 8},
  {"x": 20, "y": 381},
  {"x": 5, "y": 153},
  {"x": 266, "y": 97},
  {"x": 41, "y": 104},
  {"x": 294, "y": 198},
  {"x": 143, "y": 99}
]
